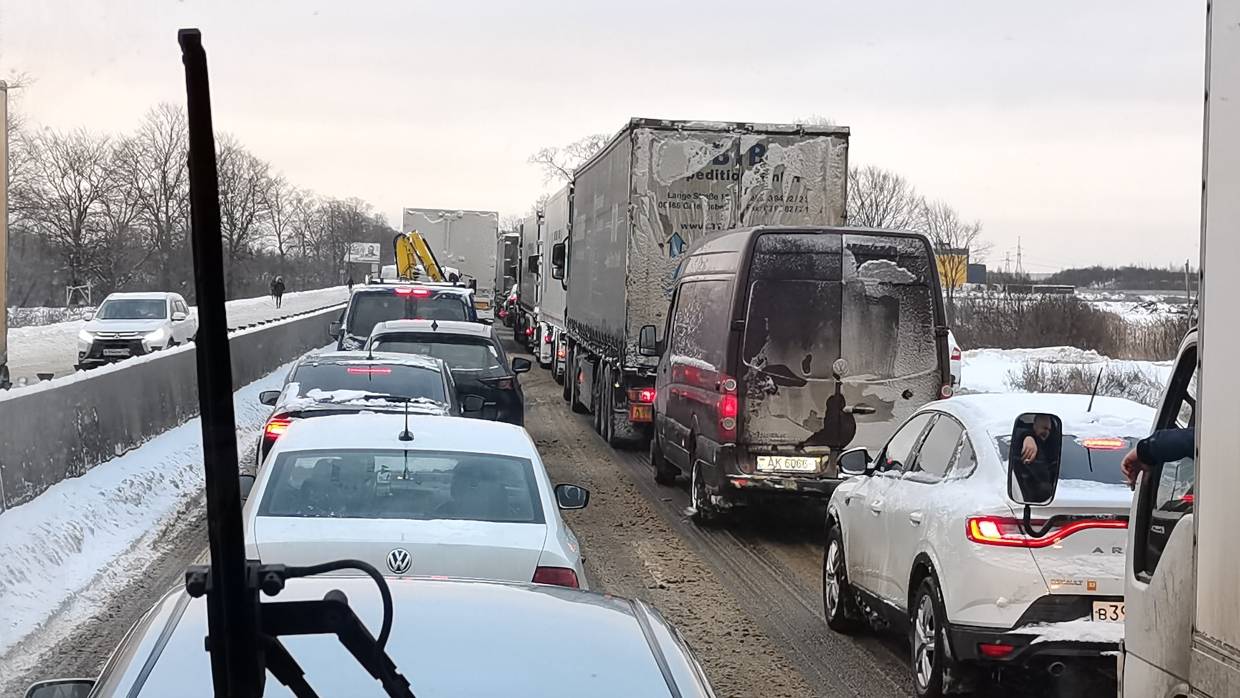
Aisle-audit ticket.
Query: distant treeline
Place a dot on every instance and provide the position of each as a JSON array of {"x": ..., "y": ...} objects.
[{"x": 1129, "y": 277}]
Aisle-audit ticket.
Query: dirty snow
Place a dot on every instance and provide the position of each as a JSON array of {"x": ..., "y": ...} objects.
[
  {"x": 53, "y": 348},
  {"x": 1079, "y": 630},
  {"x": 65, "y": 540}
]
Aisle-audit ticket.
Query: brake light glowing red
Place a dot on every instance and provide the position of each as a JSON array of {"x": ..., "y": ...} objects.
[
  {"x": 728, "y": 406},
  {"x": 1008, "y": 532},
  {"x": 547, "y": 338},
  {"x": 557, "y": 576},
  {"x": 419, "y": 292},
  {"x": 642, "y": 395},
  {"x": 955, "y": 353},
  {"x": 368, "y": 370},
  {"x": 562, "y": 352},
  {"x": 529, "y": 332},
  {"x": 994, "y": 650},
  {"x": 1104, "y": 444},
  {"x": 276, "y": 427},
  {"x": 503, "y": 313}
]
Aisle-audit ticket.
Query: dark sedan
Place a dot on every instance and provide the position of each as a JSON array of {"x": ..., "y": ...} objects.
[{"x": 474, "y": 354}]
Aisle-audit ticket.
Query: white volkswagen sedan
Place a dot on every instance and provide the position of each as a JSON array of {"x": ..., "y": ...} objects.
[
  {"x": 442, "y": 496},
  {"x": 931, "y": 537}
]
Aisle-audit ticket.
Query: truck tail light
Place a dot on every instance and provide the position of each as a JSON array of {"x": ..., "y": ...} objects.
[
  {"x": 561, "y": 352},
  {"x": 642, "y": 395},
  {"x": 955, "y": 353},
  {"x": 276, "y": 427},
  {"x": 557, "y": 576},
  {"x": 529, "y": 332},
  {"x": 547, "y": 338},
  {"x": 729, "y": 408},
  {"x": 1007, "y": 532}
]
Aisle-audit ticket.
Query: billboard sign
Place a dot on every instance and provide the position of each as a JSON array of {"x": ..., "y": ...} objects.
[{"x": 364, "y": 252}]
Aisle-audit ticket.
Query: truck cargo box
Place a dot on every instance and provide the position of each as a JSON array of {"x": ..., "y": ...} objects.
[{"x": 461, "y": 239}]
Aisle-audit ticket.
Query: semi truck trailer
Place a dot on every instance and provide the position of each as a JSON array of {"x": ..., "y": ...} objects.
[
  {"x": 652, "y": 192},
  {"x": 462, "y": 240},
  {"x": 553, "y": 292}
]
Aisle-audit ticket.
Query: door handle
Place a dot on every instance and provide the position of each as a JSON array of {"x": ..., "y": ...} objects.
[{"x": 915, "y": 518}]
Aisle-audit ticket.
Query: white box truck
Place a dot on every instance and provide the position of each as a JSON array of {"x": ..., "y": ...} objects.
[
  {"x": 1182, "y": 590},
  {"x": 553, "y": 296},
  {"x": 461, "y": 240}
]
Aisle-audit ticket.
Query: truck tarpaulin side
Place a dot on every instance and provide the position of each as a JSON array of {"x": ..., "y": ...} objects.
[{"x": 555, "y": 229}]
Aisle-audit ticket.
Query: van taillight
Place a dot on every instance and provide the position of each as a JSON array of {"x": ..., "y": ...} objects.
[
  {"x": 955, "y": 353},
  {"x": 557, "y": 576},
  {"x": 729, "y": 407},
  {"x": 641, "y": 395}
]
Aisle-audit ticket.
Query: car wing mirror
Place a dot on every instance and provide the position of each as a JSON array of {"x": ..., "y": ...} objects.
[
  {"x": 473, "y": 403},
  {"x": 179, "y": 316},
  {"x": 570, "y": 497},
  {"x": 246, "y": 483},
  {"x": 855, "y": 461},
  {"x": 1034, "y": 459},
  {"x": 333, "y": 329},
  {"x": 521, "y": 364},
  {"x": 648, "y": 342},
  {"x": 61, "y": 688},
  {"x": 269, "y": 397}
]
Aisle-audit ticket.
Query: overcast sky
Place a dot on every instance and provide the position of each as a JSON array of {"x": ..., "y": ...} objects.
[{"x": 1073, "y": 126}]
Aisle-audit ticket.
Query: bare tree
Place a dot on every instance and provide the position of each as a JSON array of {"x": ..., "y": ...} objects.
[
  {"x": 69, "y": 180},
  {"x": 559, "y": 163},
  {"x": 242, "y": 178},
  {"x": 879, "y": 198},
  {"x": 153, "y": 163},
  {"x": 955, "y": 240},
  {"x": 121, "y": 250},
  {"x": 278, "y": 202}
]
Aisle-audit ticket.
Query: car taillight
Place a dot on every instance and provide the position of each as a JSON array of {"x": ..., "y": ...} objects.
[
  {"x": 642, "y": 395},
  {"x": 1104, "y": 444},
  {"x": 994, "y": 650},
  {"x": 503, "y": 313},
  {"x": 276, "y": 427},
  {"x": 729, "y": 407},
  {"x": 558, "y": 576},
  {"x": 504, "y": 383},
  {"x": 368, "y": 370},
  {"x": 529, "y": 332},
  {"x": 955, "y": 353},
  {"x": 562, "y": 352},
  {"x": 547, "y": 338},
  {"x": 1008, "y": 532},
  {"x": 419, "y": 292}
]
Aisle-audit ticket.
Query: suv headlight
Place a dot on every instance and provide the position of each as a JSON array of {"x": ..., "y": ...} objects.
[{"x": 157, "y": 336}]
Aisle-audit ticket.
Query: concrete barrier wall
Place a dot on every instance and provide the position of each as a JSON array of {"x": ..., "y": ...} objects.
[{"x": 70, "y": 425}]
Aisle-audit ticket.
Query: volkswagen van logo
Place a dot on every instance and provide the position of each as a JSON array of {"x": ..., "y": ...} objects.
[{"x": 399, "y": 561}]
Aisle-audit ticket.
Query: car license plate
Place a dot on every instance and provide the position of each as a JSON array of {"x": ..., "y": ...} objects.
[
  {"x": 482, "y": 304},
  {"x": 116, "y": 352},
  {"x": 800, "y": 464},
  {"x": 1108, "y": 611},
  {"x": 640, "y": 413}
]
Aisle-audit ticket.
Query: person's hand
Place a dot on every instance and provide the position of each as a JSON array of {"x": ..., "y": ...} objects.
[
  {"x": 1131, "y": 467},
  {"x": 1029, "y": 450}
]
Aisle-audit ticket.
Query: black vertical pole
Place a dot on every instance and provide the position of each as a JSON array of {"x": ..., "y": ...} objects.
[{"x": 231, "y": 609}]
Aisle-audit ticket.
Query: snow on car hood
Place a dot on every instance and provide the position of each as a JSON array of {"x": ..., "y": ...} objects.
[{"x": 123, "y": 325}]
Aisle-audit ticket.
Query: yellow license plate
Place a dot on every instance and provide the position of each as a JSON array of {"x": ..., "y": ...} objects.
[
  {"x": 641, "y": 413},
  {"x": 1108, "y": 611},
  {"x": 798, "y": 464}
]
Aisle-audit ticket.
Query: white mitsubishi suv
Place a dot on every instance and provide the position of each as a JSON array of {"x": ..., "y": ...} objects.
[
  {"x": 132, "y": 324},
  {"x": 931, "y": 537}
]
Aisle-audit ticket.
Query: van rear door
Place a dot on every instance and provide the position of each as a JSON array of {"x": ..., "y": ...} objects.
[{"x": 817, "y": 296}]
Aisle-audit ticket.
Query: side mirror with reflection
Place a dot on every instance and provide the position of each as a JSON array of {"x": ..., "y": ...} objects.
[
  {"x": 521, "y": 364},
  {"x": 268, "y": 397},
  {"x": 61, "y": 688},
  {"x": 334, "y": 329},
  {"x": 558, "y": 256},
  {"x": 179, "y": 316},
  {"x": 246, "y": 483},
  {"x": 647, "y": 341},
  {"x": 1034, "y": 458},
  {"x": 472, "y": 403},
  {"x": 855, "y": 461},
  {"x": 571, "y": 496}
]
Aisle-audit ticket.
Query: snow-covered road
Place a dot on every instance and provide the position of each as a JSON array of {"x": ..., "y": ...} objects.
[
  {"x": 65, "y": 552},
  {"x": 53, "y": 348}
]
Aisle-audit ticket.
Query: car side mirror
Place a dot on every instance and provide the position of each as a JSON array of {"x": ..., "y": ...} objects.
[
  {"x": 855, "y": 461},
  {"x": 61, "y": 688},
  {"x": 531, "y": 264},
  {"x": 246, "y": 483},
  {"x": 521, "y": 364},
  {"x": 647, "y": 341},
  {"x": 571, "y": 496},
  {"x": 558, "y": 256},
  {"x": 1034, "y": 458},
  {"x": 334, "y": 329},
  {"x": 179, "y": 316},
  {"x": 473, "y": 403},
  {"x": 269, "y": 397}
]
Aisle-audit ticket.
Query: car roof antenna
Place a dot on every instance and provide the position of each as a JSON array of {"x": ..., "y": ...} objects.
[
  {"x": 1097, "y": 382},
  {"x": 244, "y": 634},
  {"x": 406, "y": 435}
]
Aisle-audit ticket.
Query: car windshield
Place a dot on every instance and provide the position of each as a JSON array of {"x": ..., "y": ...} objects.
[
  {"x": 373, "y": 378},
  {"x": 369, "y": 309},
  {"x": 1092, "y": 459},
  {"x": 133, "y": 309},
  {"x": 458, "y": 351},
  {"x": 381, "y": 484}
]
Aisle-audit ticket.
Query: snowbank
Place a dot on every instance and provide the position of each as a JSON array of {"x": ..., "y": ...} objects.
[
  {"x": 52, "y": 547},
  {"x": 987, "y": 370},
  {"x": 1079, "y": 630}
]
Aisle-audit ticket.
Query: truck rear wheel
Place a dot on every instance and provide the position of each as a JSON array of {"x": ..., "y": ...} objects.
[{"x": 574, "y": 397}]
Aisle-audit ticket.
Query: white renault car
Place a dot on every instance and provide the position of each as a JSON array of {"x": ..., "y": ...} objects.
[
  {"x": 132, "y": 324},
  {"x": 929, "y": 536},
  {"x": 414, "y": 495}
]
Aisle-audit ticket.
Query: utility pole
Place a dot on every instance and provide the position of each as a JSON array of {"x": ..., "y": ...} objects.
[
  {"x": 4, "y": 236},
  {"x": 1020, "y": 268}
]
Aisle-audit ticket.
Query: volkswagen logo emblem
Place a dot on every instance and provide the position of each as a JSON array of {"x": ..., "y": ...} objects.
[{"x": 399, "y": 561}]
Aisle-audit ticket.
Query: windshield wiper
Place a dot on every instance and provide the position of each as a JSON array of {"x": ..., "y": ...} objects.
[{"x": 243, "y": 635}]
